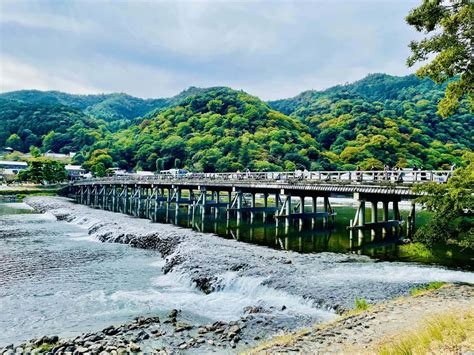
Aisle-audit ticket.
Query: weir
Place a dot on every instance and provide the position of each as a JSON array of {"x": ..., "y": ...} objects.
[{"x": 285, "y": 196}]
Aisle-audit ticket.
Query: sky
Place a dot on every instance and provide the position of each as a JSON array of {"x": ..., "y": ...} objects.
[{"x": 270, "y": 48}]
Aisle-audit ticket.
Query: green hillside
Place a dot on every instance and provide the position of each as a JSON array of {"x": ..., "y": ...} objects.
[
  {"x": 382, "y": 119},
  {"x": 378, "y": 120},
  {"x": 53, "y": 127},
  {"x": 109, "y": 107},
  {"x": 218, "y": 129}
]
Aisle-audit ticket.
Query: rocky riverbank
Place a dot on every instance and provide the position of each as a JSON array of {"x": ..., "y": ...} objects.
[
  {"x": 144, "y": 334},
  {"x": 365, "y": 332},
  {"x": 286, "y": 290}
]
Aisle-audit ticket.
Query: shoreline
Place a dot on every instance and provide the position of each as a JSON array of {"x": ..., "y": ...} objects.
[
  {"x": 213, "y": 264},
  {"x": 384, "y": 326}
]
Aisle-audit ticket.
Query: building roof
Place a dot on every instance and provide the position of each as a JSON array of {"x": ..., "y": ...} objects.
[
  {"x": 73, "y": 167},
  {"x": 13, "y": 162}
]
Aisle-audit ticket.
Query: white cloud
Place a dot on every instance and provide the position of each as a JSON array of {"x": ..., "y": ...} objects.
[
  {"x": 15, "y": 75},
  {"x": 273, "y": 49}
]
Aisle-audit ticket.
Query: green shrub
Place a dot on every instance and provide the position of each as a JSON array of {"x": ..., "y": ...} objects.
[{"x": 361, "y": 304}]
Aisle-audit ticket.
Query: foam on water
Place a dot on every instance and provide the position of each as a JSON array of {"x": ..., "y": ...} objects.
[
  {"x": 394, "y": 273},
  {"x": 176, "y": 290}
]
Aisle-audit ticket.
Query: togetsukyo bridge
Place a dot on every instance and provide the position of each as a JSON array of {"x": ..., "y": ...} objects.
[{"x": 285, "y": 195}]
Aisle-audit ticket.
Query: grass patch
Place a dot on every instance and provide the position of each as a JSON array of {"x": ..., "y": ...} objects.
[
  {"x": 422, "y": 289},
  {"x": 452, "y": 332},
  {"x": 416, "y": 250},
  {"x": 361, "y": 304},
  {"x": 45, "y": 348}
]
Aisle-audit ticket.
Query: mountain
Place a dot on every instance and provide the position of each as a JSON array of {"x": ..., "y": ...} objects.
[
  {"x": 382, "y": 119},
  {"x": 50, "y": 126},
  {"x": 374, "y": 87},
  {"x": 378, "y": 120},
  {"x": 109, "y": 107},
  {"x": 216, "y": 129}
]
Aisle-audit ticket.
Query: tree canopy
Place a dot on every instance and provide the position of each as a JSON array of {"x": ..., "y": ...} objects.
[
  {"x": 43, "y": 171},
  {"x": 452, "y": 26},
  {"x": 378, "y": 120}
]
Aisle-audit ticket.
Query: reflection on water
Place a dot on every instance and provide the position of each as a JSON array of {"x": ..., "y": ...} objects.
[{"x": 303, "y": 236}]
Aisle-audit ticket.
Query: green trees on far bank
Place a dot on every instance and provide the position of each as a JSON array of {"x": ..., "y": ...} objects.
[
  {"x": 43, "y": 171},
  {"x": 378, "y": 120}
]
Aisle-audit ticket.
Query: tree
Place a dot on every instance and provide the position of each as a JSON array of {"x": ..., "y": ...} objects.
[
  {"x": 35, "y": 152},
  {"x": 43, "y": 171},
  {"x": 98, "y": 162},
  {"x": 55, "y": 141},
  {"x": 15, "y": 142},
  {"x": 452, "y": 23},
  {"x": 452, "y": 205}
]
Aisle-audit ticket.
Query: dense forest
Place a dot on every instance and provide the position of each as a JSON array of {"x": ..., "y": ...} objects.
[{"x": 378, "y": 120}]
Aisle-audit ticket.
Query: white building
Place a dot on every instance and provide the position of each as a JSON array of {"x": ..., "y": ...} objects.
[
  {"x": 13, "y": 166},
  {"x": 75, "y": 171}
]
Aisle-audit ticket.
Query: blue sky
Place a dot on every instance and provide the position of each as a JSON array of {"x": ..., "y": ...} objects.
[{"x": 269, "y": 48}]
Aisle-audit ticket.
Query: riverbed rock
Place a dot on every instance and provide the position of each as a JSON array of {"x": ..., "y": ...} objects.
[
  {"x": 181, "y": 326},
  {"x": 81, "y": 350},
  {"x": 133, "y": 347}
]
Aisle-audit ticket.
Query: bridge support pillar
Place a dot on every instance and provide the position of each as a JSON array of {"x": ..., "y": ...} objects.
[
  {"x": 385, "y": 216},
  {"x": 314, "y": 209},
  {"x": 288, "y": 212},
  {"x": 265, "y": 205},
  {"x": 361, "y": 220},
  {"x": 326, "y": 210},
  {"x": 125, "y": 198},
  {"x": 252, "y": 205},
  {"x": 301, "y": 211},
  {"x": 411, "y": 221},
  {"x": 239, "y": 197},
  {"x": 374, "y": 218}
]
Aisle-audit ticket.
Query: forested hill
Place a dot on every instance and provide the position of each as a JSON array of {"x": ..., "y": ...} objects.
[
  {"x": 218, "y": 129},
  {"x": 383, "y": 119},
  {"x": 374, "y": 87},
  {"x": 52, "y": 127},
  {"x": 109, "y": 107},
  {"x": 378, "y": 120}
]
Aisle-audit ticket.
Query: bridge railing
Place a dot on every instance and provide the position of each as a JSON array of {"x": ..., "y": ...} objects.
[{"x": 395, "y": 176}]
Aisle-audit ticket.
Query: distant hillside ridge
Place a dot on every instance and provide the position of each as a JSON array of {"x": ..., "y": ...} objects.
[{"x": 376, "y": 121}]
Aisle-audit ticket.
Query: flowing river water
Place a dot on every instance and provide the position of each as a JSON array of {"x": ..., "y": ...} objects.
[{"x": 57, "y": 278}]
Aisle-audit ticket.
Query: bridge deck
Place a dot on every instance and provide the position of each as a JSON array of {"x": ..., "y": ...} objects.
[{"x": 340, "y": 182}]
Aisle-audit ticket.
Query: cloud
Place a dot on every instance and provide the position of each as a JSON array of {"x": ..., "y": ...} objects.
[
  {"x": 17, "y": 76},
  {"x": 273, "y": 49}
]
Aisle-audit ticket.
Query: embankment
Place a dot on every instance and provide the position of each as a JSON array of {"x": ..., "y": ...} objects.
[{"x": 437, "y": 321}]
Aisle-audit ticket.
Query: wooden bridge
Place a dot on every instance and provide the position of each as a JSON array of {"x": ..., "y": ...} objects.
[{"x": 285, "y": 195}]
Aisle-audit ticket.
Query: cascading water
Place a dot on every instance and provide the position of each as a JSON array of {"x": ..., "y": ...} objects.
[{"x": 56, "y": 278}]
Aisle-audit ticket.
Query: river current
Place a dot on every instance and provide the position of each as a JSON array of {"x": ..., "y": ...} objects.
[{"x": 55, "y": 278}]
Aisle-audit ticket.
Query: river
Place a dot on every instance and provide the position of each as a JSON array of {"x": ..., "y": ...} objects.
[{"x": 56, "y": 278}]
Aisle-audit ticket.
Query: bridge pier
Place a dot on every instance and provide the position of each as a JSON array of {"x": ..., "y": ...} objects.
[
  {"x": 288, "y": 212},
  {"x": 374, "y": 219},
  {"x": 359, "y": 223}
]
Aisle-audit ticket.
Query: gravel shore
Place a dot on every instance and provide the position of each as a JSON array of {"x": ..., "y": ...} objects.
[{"x": 362, "y": 333}]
